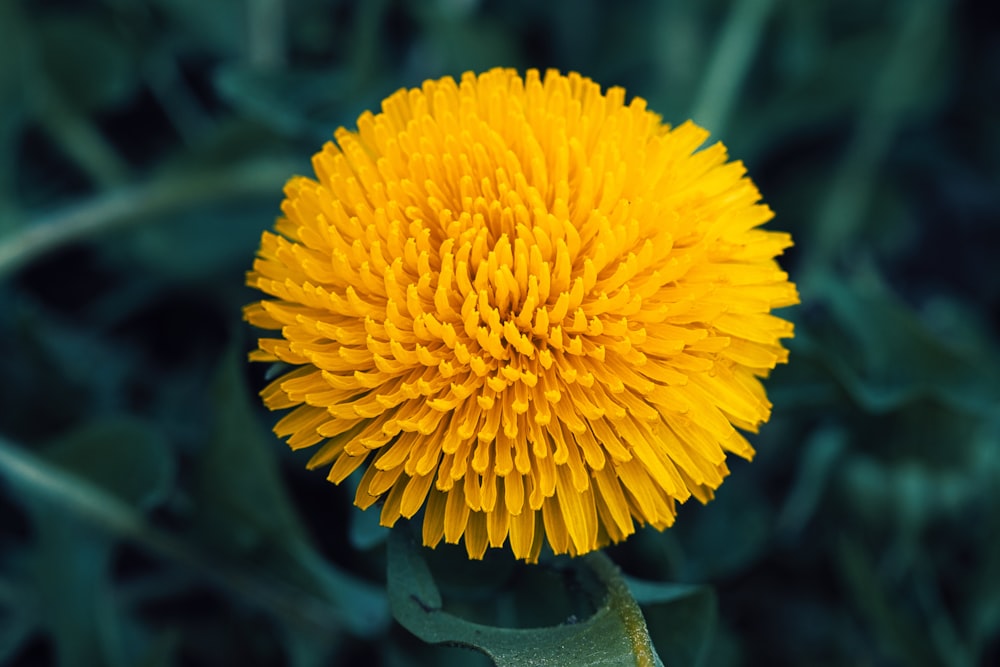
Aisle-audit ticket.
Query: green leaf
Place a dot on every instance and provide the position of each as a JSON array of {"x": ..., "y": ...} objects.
[
  {"x": 886, "y": 356},
  {"x": 728, "y": 535},
  {"x": 900, "y": 638},
  {"x": 681, "y": 619},
  {"x": 365, "y": 531},
  {"x": 245, "y": 509},
  {"x": 239, "y": 488},
  {"x": 460, "y": 43},
  {"x": 124, "y": 456},
  {"x": 291, "y": 102},
  {"x": 70, "y": 567},
  {"x": 821, "y": 452},
  {"x": 227, "y": 234},
  {"x": 68, "y": 570},
  {"x": 206, "y": 26},
  {"x": 61, "y": 374},
  {"x": 69, "y": 564},
  {"x": 615, "y": 635},
  {"x": 86, "y": 61},
  {"x": 363, "y": 606}
]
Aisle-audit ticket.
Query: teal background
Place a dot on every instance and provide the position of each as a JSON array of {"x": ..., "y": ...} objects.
[{"x": 149, "y": 517}]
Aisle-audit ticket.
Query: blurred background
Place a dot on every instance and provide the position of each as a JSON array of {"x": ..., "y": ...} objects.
[{"x": 149, "y": 517}]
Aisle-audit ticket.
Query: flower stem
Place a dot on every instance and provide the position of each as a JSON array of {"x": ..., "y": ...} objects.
[
  {"x": 621, "y": 601},
  {"x": 843, "y": 211},
  {"x": 29, "y": 474},
  {"x": 732, "y": 56},
  {"x": 266, "y": 38},
  {"x": 79, "y": 138},
  {"x": 134, "y": 203}
]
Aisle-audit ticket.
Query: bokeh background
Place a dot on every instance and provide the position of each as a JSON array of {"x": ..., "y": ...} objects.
[{"x": 148, "y": 516}]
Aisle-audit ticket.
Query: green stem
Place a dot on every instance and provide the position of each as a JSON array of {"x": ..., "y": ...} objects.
[
  {"x": 179, "y": 102},
  {"x": 843, "y": 211},
  {"x": 134, "y": 203},
  {"x": 70, "y": 130},
  {"x": 28, "y": 473},
  {"x": 731, "y": 59},
  {"x": 266, "y": 39},
  {"x": 620, "y": 600},
  {"x": 77, "y": 136}
]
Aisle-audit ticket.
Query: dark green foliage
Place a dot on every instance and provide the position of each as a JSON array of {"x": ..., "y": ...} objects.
[
  {"x": 149, "y": 517},
  {"x": 611, "y": 630}
]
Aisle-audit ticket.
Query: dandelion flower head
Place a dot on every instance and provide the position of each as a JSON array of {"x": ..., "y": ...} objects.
[{"x": 525, "y": 306}]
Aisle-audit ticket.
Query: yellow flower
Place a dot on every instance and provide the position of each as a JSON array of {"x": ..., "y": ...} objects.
[{"x": 524, "y": 305}]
